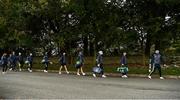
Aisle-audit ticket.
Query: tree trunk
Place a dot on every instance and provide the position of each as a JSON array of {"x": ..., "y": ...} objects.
[
  {"x": 148, "y": 46},
  {"x": 157, "y": 45}
]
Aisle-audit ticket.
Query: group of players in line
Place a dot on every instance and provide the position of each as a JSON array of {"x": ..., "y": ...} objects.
[{"x": 11, "y": 61}]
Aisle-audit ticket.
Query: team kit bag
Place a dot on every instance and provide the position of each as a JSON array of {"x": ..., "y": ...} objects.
[
  {"x": 27, "y": 62},
  {"x": 123, "y": 69},
  {"x": 43, "y": 61},
  {"x": 97, "y": 70},
  {"x": 78, "y": 64}
]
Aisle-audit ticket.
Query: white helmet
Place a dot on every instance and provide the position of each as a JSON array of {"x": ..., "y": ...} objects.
[
  {"x": 157, "y": 51},
  {"x": 101, "y": 52},
  {"x": 30, "y": 54},
  {"x": 19, "y": 53},
  {"x": 124, "y": 53},
  {"x": 13, "y": 53}
]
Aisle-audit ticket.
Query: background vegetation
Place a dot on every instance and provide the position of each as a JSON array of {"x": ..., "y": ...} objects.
[{"x": 136, "y": 26}]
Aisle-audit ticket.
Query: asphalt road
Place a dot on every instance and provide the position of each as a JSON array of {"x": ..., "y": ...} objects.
[{"x": 39, "y": 85}]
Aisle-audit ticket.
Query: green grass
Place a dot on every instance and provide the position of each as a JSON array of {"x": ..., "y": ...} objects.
[{"x": 108, "y": 67}]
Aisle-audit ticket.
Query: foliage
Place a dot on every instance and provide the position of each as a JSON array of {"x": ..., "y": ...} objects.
[{"x": 132, "y": 25}]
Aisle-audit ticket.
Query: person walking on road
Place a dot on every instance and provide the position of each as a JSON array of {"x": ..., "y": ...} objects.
[
  {"x": 80, "y": 63},
  {"x": 20, "y": 61},
  {"x": 10, "y": 62},
  {"x": 63, "y": 63},
  {"x": 14, "y": 61},
  {"x": 99, "y": 63},
  {"x": 29, "y": 61},
  {"x": 156, "y": 60},
  {"x": 4, "y": 61},
  {"x": 45, "y": 61},
  {"x": 124, "y": 64}
]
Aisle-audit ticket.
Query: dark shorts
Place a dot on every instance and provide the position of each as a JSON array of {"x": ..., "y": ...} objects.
[
  {"x": 63, "y": 64},
  {"x": 157, "y": 65},
  {"x": 78, "y": 66}
]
